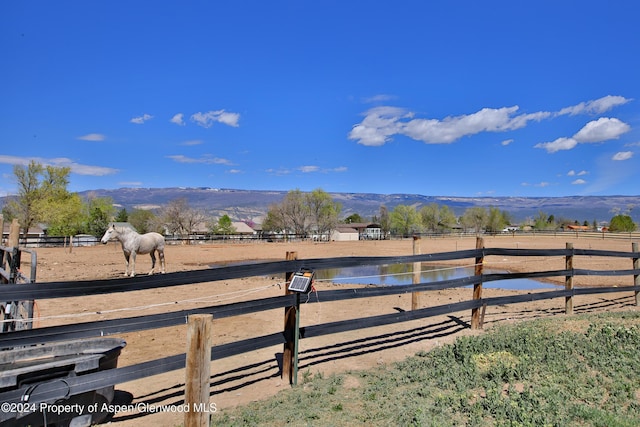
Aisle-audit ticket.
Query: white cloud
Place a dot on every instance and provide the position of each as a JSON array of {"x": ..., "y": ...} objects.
[
  {"x": 278, "y": 172},
  {"x": 178, "y": 119},
  {"x": 140, "y": 120},
  {"x": 599, "y": 130},
  {"x": 192, "y": 142},
  {"x": 78, "y": 168},
  {"x": 207, "y": 119},
  {"x": 307, "y": 169},
  {"x": 381, "y": 123},
  {"x": 92, "y": 137},
  {"x": 597, "y": 106},
  {"x": 378, "y": 98},
  {"x": 622, "y": 155},
  {"x": 602, "y": 129},
  {"x": 540, "y": 184},
  {"x": 506, "y": 142},
  {"x": 579, "y": 182},
  {"x": 558, "y": 144},
  {"x": 574, "y": 173},
  {"x": 206, "y": 159}
]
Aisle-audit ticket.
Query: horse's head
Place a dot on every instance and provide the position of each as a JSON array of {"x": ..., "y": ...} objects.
[{"x": 111, "y": 232}]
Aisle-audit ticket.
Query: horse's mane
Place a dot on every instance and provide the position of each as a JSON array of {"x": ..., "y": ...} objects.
[{"x": 124, "y": 230}]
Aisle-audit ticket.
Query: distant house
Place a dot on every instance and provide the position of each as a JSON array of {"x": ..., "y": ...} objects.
[
  {"x": 367, "y": 230},
  {"x": 34, "y": 234},
  {"x": 578, "y": 227},
  {"x": 344, "y": 233},
  {"x": 243, "y": 228}
]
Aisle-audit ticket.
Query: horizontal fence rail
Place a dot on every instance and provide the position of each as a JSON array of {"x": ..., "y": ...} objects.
[{"x": 58, "y": 389}]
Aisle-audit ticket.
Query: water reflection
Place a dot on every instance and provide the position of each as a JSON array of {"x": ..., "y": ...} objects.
[{"x": 402, "y": 274}]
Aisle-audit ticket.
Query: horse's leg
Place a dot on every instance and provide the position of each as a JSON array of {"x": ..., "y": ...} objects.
[
  {"x": 153, "y": 261},
  {"x": 133, "y": 263},
  {"x": 127, "y": 255},
  {"x": 161, "y": 255}
]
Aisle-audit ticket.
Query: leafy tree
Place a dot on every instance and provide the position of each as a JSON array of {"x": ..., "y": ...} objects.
[
  {"x": 122, "y": 216},
  {"x": 430, "y": 216},
  {"x": 224, "y": 226},
  {"x": 497, "y": 220},
  {"x": 353, "y": 219},
  {"x": 475, "y": 218},
  {"x": 437, "y": 218},
  {"x": 274, "y": 220},
  {"x": 622, "y": 223},
  {"x": 100, "y": 211},
  {"x": 43, "y": 197},
  {"x": 323, "y": 211},
  {"x": 65, "y": 216},
  {"x": 447, "y": 217},
  {"x": 405, "y": 220},
  {"x": 544, "y": 222},
  {"x": 144, "y": 221}
]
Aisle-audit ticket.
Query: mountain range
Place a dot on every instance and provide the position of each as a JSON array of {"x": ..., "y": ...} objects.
[{"x": 252, "y": 205}]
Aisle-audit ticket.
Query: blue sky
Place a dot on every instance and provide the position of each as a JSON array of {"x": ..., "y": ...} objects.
[{"x": 447, "y": 98}]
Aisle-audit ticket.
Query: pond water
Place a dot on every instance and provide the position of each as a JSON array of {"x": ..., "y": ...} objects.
[{"x": 402, "y": 274}]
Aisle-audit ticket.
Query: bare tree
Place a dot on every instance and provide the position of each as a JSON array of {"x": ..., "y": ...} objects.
[
  {"x": 180, "y": 219},
  {"x": 295, "y": 212}
]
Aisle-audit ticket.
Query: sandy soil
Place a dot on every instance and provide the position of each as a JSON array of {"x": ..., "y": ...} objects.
[{"x": 255, "y": 375}]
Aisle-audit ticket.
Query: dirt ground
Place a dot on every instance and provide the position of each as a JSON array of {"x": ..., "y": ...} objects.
[{"x": 255, "y": 375}]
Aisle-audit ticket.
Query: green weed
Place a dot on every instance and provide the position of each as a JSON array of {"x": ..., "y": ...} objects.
[{"x": 578, "y": 370}]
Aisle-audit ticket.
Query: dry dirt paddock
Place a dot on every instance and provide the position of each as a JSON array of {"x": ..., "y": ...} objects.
[{"x": 255, "y": 375}]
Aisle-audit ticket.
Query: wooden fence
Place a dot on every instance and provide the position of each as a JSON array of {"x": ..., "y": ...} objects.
[{"x": 290, "y": 302}]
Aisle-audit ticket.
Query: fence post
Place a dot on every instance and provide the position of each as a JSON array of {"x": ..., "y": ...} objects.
[
  {"x": 417, "y": 269},
  {"x": 636, "y": 278},
  {"x": 477, "y": 287},
  {"x": 14, "y": 234},
  {"x": 288, "y": 352},
  {"x": 198, "y": 370},
  {"x": 568, "y": 280}
]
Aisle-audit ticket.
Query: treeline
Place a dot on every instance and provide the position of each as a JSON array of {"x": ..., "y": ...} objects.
[{"x": 43, "y": 198}]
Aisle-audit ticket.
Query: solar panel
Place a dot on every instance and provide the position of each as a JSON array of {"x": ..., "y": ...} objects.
[{"x": 301, "y": 281}]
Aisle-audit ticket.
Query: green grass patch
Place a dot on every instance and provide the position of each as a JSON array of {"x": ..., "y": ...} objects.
[{"x": 577, "y": 370}]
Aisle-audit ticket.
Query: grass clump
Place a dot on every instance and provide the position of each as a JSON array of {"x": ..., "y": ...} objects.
[{"x": 578, "y": 370}]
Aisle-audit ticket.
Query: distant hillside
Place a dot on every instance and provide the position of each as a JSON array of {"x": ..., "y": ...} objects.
[{"x": 253, "y": 205}]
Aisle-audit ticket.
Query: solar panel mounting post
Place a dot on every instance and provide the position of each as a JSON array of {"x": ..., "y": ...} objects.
[{"x": 289, "y": 326}]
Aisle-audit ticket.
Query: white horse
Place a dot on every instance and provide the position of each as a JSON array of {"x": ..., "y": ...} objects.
[{"x": 134, "y": 243}]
